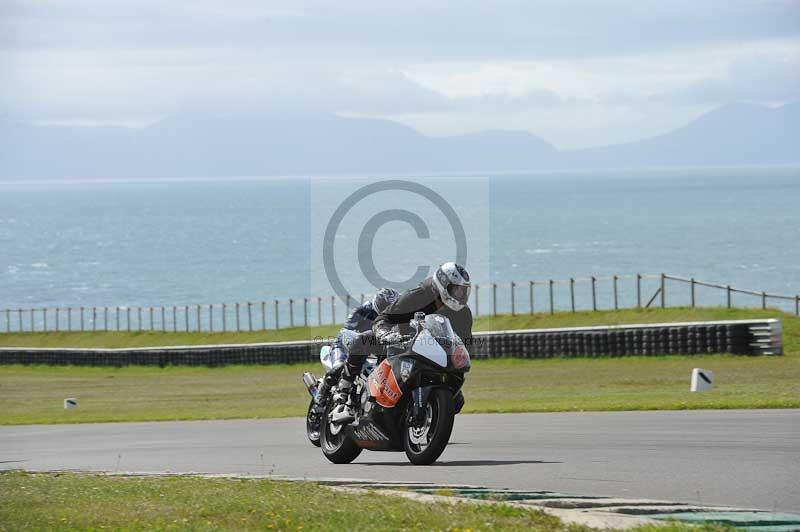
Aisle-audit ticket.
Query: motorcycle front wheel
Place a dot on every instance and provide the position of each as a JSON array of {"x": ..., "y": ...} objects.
[
  {"x": 313, "y": 423},
  {"x": 338, "y": 448},
  {"x": 424, "y": 441}
]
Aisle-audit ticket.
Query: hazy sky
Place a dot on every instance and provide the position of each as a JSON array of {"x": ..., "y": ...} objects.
[{"x": 576, "y": 73}]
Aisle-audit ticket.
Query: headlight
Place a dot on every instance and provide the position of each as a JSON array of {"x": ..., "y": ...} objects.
[{"x": 460, "y": 357}]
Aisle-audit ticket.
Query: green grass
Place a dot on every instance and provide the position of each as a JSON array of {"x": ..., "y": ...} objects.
[
  {"x": 34, "y": 394},
  {"x": 92, "y": 502}
]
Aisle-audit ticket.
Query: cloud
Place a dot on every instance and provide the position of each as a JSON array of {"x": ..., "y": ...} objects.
[
  {"x": 763, "y": 78},
  {"x": 414, "y": 30},
  {"x": 544, "y": 66}
]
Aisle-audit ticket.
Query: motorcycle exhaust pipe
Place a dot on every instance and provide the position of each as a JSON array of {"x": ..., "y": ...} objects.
[{"x": 310, "y": 382}]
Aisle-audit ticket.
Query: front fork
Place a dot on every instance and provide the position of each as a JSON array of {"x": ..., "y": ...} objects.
[{"x": 419, "y": 398}]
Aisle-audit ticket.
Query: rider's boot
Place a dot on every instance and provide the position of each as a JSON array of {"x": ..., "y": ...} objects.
[
  {"x": 343, "y": 412},
  {"x": 328, "y": 381}
]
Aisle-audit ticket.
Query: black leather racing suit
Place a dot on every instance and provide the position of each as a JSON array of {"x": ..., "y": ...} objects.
[
  {"x": 396, "y": 317},
  {"x": 424, "y": 298}
]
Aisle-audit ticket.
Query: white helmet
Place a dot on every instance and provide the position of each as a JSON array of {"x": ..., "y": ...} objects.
[{"x": 452, "y": 282}]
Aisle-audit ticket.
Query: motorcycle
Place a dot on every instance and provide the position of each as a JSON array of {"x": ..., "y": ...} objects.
[{"x": 404, "y": 400}]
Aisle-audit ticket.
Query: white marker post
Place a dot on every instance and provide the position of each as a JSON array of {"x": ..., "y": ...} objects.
[{"x": 701, "y": 380}]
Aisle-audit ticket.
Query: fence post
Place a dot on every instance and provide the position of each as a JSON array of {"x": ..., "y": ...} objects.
[
  {"x": 763, "y": 300},
  {"x": 728, "y": 290},
  {"x": 796, "y": 306},
  {"x": 277, "y": 315},
  {"x": 82, "y": 329},
  {"x": 333, "y": 310},
  {"x": 616, "y": 293},
  {"x": 116, "y": 316},
  {"x": 530, "y": 294},
  {"x": 572, "y": 293},
  {"x": 663, "y": 286},
  {"x": 174, "y": 318},
  {"x": 477, "y": 300},
  {"x": 362, "y": 299},
  {"x": 291, "y": 312},
  {"x": 19, "y": 316},
  {"x": 249, "y": 316},
  {"x": 319, "y": 310},
  {"x": 238, "y": 323},
  {"x": 127, "y": 318},
  {"x": 552, "y": 308},
  {"x": 513, "y": 310},
  {"x": 8, "y": 321},
  {"x": 139, "y": 317},
  {"x": 263, "y": 315},
  {"x": 44, "y": 312},
  {"x": 186, "y": 317},
  {"x": 638, "y": 290},
  {"x": 691, "y": 283},
  {"x": 305, "y": 312},
  {"x": 211, "y": 317},
  {"x": 33, "y": 325},
  {"x": 105, "y": 319},
  {"x": 594, "y": 293},
  {"x": 224, "y": 325},
  {"x": 94, "y": 319},
  {"x": 163, "y": 319},
  {"x": 494, "y": 299}
]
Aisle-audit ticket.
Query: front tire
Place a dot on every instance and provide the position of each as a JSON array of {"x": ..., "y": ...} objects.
[
  {"x": 426, "y": 442},
  {"x": 338, "y": 448}
]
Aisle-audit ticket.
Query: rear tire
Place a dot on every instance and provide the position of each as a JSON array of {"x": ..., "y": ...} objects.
[
  {"x": 439, "y": 421},
  {"x": 313, "y": 424},
  {"x": 338, "y": 448}
]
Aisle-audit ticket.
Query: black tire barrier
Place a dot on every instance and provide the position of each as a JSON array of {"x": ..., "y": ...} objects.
[{"x": 742, "y": 337}]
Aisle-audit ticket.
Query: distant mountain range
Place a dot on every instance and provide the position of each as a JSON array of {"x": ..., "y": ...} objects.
[{"x": 290, "y": 142}]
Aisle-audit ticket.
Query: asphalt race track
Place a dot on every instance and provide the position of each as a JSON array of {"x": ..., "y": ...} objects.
[{"x": 749, "y": 459}]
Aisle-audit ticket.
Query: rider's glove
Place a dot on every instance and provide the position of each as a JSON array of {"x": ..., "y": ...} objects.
[{"x": 391, "y": 338}]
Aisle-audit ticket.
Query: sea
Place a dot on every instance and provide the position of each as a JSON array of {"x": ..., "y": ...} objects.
[{"x": 202, "y": 241}]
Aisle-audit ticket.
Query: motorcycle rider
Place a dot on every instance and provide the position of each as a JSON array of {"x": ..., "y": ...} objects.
[
  {"x": 359, "y": 321},
  {"x": 446, "y": 292}
]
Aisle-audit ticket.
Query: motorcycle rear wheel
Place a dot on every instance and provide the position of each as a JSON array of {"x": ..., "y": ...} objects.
[
  {"x": 424, "y": 444},
  {"x": 338, "y": 448},
  {"x": 313, "y": 424}
]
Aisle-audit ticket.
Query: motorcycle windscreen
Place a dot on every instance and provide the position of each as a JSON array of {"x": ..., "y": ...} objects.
[
  {"x": 439, "y": 327},
  {"x": 426, "y": 345}
]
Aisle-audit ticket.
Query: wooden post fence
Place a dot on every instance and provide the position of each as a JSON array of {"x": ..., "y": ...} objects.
[{"x": 530, "y": 295}]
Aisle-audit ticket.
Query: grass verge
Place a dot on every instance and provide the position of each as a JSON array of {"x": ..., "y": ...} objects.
[
  {"x": 92, "y": 502},
  {"x": 34, "y": 394}
]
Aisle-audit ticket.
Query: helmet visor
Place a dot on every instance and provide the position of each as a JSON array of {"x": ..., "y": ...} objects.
[{"x": 459, "y": 292}]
